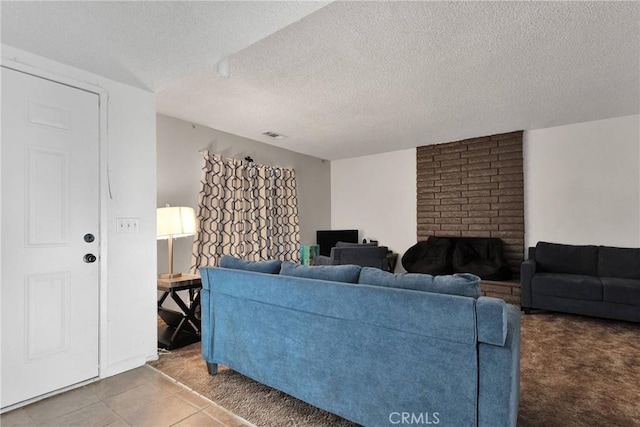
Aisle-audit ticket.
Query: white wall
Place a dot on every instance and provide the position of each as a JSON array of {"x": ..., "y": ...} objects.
[
  {"x": 179, "y": 163},
  {"x": 377, "y": 195},
  {"x": 582, "y": 183},
  {"x": 131, "y": 295},
  {"x": 582, "y": 186},
  {"x": 128, "y": 261}
]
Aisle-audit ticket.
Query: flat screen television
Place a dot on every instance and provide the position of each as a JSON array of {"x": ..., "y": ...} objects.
[{"x": 328, "y": 239}]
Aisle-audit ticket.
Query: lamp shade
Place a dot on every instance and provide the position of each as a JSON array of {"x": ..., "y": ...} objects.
[{"x": 176, "y": 221}]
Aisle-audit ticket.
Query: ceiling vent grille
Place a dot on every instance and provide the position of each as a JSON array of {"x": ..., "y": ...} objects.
[{"x": 273, "y": 135}]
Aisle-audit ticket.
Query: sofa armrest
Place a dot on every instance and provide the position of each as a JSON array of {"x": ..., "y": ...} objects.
[
  {"x": 499, "y": 376},
  {"x": 527, "y": 270},
  {"x": 492, "y": 320},
  {"x": 206, "y": 318}
]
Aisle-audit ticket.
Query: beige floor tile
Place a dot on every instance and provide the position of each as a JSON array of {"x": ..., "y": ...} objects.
[
  {"x": 194, "y": 399},
  {"x": 150, "y": 372},
  {"x": 62, "y": 404},
  {"x": 119, "y": 423},
  {"x": 137, "y": 398},
  {"x": 163, "y": 413},
  {"x": 119, "y": 383},
  {"x": 16, "y": 418},
  {"x": 96, "y": 415},
  {"x": 199, "y": 419},
  {"x": 141, "y": 397},
  {"x": 225, "y": 417},
  {"x": 171, "y": 386}
]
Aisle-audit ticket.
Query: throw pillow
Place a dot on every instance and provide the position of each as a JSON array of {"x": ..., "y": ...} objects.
[
  {"x": 333, "y": 273},
  {"x": 462, "y": 284},
  {"x": 270, "y": 267}
]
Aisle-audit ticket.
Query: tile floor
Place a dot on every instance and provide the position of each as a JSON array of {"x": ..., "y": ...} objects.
[{"x": 140, "y": 397}]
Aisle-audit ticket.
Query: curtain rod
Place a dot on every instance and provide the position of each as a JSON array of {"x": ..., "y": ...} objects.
[{"x": 248, "y": 158}]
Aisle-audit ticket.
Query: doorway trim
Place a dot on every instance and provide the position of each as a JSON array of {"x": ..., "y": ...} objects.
[{"x": 103, "y": 190}]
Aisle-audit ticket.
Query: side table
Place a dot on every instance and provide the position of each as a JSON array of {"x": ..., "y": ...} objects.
[{"x": 181, "y": 328}]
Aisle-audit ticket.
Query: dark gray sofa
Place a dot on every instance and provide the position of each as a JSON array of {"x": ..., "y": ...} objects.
[
  {"x": 364, "y": 255},
  {"x": 598, "y": 281}
]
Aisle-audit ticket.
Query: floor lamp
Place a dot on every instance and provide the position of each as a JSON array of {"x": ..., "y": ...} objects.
[{"x": 174, "y": 222}]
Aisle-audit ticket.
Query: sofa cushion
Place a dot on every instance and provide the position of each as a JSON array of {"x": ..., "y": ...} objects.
[
  {"x": 270, "y": 267},
  {"x": 619, "y": 262},
  {"x": 466, "y": 285},
  {"x": 364, "y": 256},
  {"x": 334, "y": 273},
  {"x": 354, "y": 245},
  {"x": 574, "y": 286},
  {"x": 621, "y": 291},
  {"x": 556, "y": 258}
]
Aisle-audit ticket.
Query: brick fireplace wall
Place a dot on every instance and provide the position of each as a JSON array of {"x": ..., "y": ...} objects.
[{"x": 474, "y": 188}]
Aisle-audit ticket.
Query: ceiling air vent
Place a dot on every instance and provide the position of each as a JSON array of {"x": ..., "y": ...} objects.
[{"x": 273, "y": 135}]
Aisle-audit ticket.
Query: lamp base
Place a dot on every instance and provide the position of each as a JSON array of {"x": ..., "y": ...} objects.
[{"x": 170, "y": 275}]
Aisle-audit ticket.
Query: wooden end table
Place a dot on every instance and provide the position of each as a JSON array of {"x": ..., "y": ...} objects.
[{"x": 181, "y": 328}]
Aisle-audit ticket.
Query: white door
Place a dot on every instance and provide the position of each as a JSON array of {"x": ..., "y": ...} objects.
[{"x": 50, "y": 201}]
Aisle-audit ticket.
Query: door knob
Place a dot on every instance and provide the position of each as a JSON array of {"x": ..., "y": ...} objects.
[
  {"x": 89, "y": 258},
  {"x": 89, "y": 238}
]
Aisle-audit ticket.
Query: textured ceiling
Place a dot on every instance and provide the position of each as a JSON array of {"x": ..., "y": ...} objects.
[
  {"x": 355, "y": 78},
  {"x": 148, "y": 44}
]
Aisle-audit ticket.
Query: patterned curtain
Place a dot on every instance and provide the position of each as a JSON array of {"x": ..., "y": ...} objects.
[{"x": 246, "y": 210}]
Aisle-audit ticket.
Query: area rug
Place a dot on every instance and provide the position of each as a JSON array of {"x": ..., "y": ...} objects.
[{"x": 575, "y": 371}]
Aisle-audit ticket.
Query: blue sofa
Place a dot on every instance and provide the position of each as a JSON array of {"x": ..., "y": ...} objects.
[{"x": 373, "y": 347}]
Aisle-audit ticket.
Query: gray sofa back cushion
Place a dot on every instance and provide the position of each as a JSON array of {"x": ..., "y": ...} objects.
[
  {"x": 619, "y": 262},
  {"x": 354, "y": 245},
  {"x": 364, "y": 256},
  {"x": 334, "y": 273},
  {"x": 557, "y": 258},
  {"x": 463, "y": 284}
]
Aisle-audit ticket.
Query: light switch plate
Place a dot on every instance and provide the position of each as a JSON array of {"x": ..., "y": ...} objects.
[{"x": 127, "y": 225}]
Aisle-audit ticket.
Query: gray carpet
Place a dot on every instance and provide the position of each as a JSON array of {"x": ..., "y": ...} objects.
[
  {"x": 575, "y": 371},
  {"x": 255, "y": 402}
]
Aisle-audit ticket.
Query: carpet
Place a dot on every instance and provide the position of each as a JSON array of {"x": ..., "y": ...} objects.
[{"x": 575, "y": 371}]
